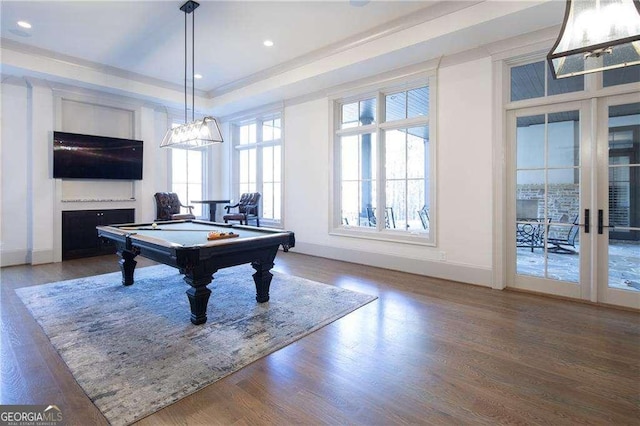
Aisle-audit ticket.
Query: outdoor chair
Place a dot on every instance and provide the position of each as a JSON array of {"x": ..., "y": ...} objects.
[
  {"x": 247, "y": 209},
  {"x": 564, "y": 239},
  {"x": 168, "y": 207},
  {"x": 423, "y": 213},
  {"x": 389, "y": 217},
  {"x": 531, "y": 234}
]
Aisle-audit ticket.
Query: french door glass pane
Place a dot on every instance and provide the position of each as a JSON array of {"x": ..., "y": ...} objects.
[
  {"x": 530, "y": 142},
  {"x": 624, "y": 197},
  {"x": 564, "y": 139},
  {"x": 548, "y": 196}
]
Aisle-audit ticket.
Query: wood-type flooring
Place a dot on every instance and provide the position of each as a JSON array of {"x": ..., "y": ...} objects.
[{"x": 428, "y": 351}]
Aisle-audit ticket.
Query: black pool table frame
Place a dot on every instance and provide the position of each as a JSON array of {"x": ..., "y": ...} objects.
[{"x": 199, "y": 263}]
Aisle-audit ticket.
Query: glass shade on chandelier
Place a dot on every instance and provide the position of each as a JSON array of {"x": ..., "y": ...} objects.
[
  {"x": 194, "y": 135},
  {"x": 596, "y": 35}
]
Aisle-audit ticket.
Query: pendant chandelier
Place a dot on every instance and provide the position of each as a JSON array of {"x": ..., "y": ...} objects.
[
  {"x": 596, "y": 35},
  {"x": 200, "y": 133}
]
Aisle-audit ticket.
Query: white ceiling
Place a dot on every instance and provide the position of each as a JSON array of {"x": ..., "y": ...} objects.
[{"x": 318, "y": 44}]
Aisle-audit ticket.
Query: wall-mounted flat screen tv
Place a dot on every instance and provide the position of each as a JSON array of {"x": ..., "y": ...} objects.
[{"x": 77, "y": 156}]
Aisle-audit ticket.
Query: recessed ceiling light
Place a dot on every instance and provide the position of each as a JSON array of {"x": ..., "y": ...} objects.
[
  {"x": 268, "y": 43},
  {"x": 197, "y": 76},
  {"x": 24, "y": 24}
]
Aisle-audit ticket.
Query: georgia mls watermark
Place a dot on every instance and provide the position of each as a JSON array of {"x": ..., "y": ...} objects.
[{"x": 31, "y": 415}]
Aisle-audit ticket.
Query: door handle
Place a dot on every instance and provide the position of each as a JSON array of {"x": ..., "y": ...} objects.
[
  {"x": 600, "y": 220},
  {"x": 587, "y": 221},
  {"x": 601, "y": 224}
]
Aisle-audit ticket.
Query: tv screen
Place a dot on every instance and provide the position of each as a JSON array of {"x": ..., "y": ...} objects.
[{"x": 77, "y": 156}]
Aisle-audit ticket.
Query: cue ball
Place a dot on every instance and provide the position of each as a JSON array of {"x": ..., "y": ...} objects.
[{"x": 154, "y": 225}]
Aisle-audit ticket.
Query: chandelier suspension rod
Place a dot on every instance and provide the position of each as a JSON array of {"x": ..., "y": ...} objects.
[
  {"x": 193, "y": 66},
  {"x": 185, "y": 69}
]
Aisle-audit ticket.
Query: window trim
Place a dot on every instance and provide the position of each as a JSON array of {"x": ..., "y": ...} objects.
[{"x": 335, "y": 226}]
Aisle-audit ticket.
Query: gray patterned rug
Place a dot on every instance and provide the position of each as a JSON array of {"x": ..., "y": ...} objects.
[{"x": 134, "y": 351}]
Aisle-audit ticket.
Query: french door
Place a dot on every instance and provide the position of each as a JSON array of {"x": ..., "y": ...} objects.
[
  {"x": 618, "y": 217},
  {"x": 573, "y": 226}
]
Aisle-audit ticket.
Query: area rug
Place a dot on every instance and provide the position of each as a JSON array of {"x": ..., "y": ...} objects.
[{"x": 134, "y": 350}]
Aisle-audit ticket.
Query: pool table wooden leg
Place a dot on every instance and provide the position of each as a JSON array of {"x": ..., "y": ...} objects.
[
  {"x": 198, "y": 295},
  {"x": 263, "y": 276},
  {"x": 127, "y": 266}
]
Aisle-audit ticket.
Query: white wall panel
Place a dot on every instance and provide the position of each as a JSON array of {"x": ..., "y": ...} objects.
[{"x": 465, "y": 162}]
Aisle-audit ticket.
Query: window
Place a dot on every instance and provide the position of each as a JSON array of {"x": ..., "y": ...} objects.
[
  {"x": 187, "y": 176},
  {"x": 258, "y": 163},
  {"x": 535, "y": 81},
  {"x": 383, "y": 171}
]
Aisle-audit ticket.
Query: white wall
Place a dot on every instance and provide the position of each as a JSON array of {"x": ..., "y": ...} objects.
[
  {"x": 464, "y": 142},
  {"x": 465, "y": 139}
]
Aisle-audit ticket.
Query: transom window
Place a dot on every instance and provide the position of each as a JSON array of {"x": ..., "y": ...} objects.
[
  {"x": 383, "y": 145},
  {"x": 536, "y": 81}
]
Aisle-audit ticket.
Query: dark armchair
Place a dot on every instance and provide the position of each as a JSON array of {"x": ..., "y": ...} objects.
[
  {"x": 168, "y": 207},
  {"x": 247, "y": 209}
]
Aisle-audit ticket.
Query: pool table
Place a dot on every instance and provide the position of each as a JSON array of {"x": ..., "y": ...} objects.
[{"x": 184, "y": 244}]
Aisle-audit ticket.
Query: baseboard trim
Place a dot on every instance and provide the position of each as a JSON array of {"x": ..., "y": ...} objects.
[
  {"x": 41, "y": 256},
  {"x": 444, "y": 270},
  {"x": 14, "y": 257}
]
